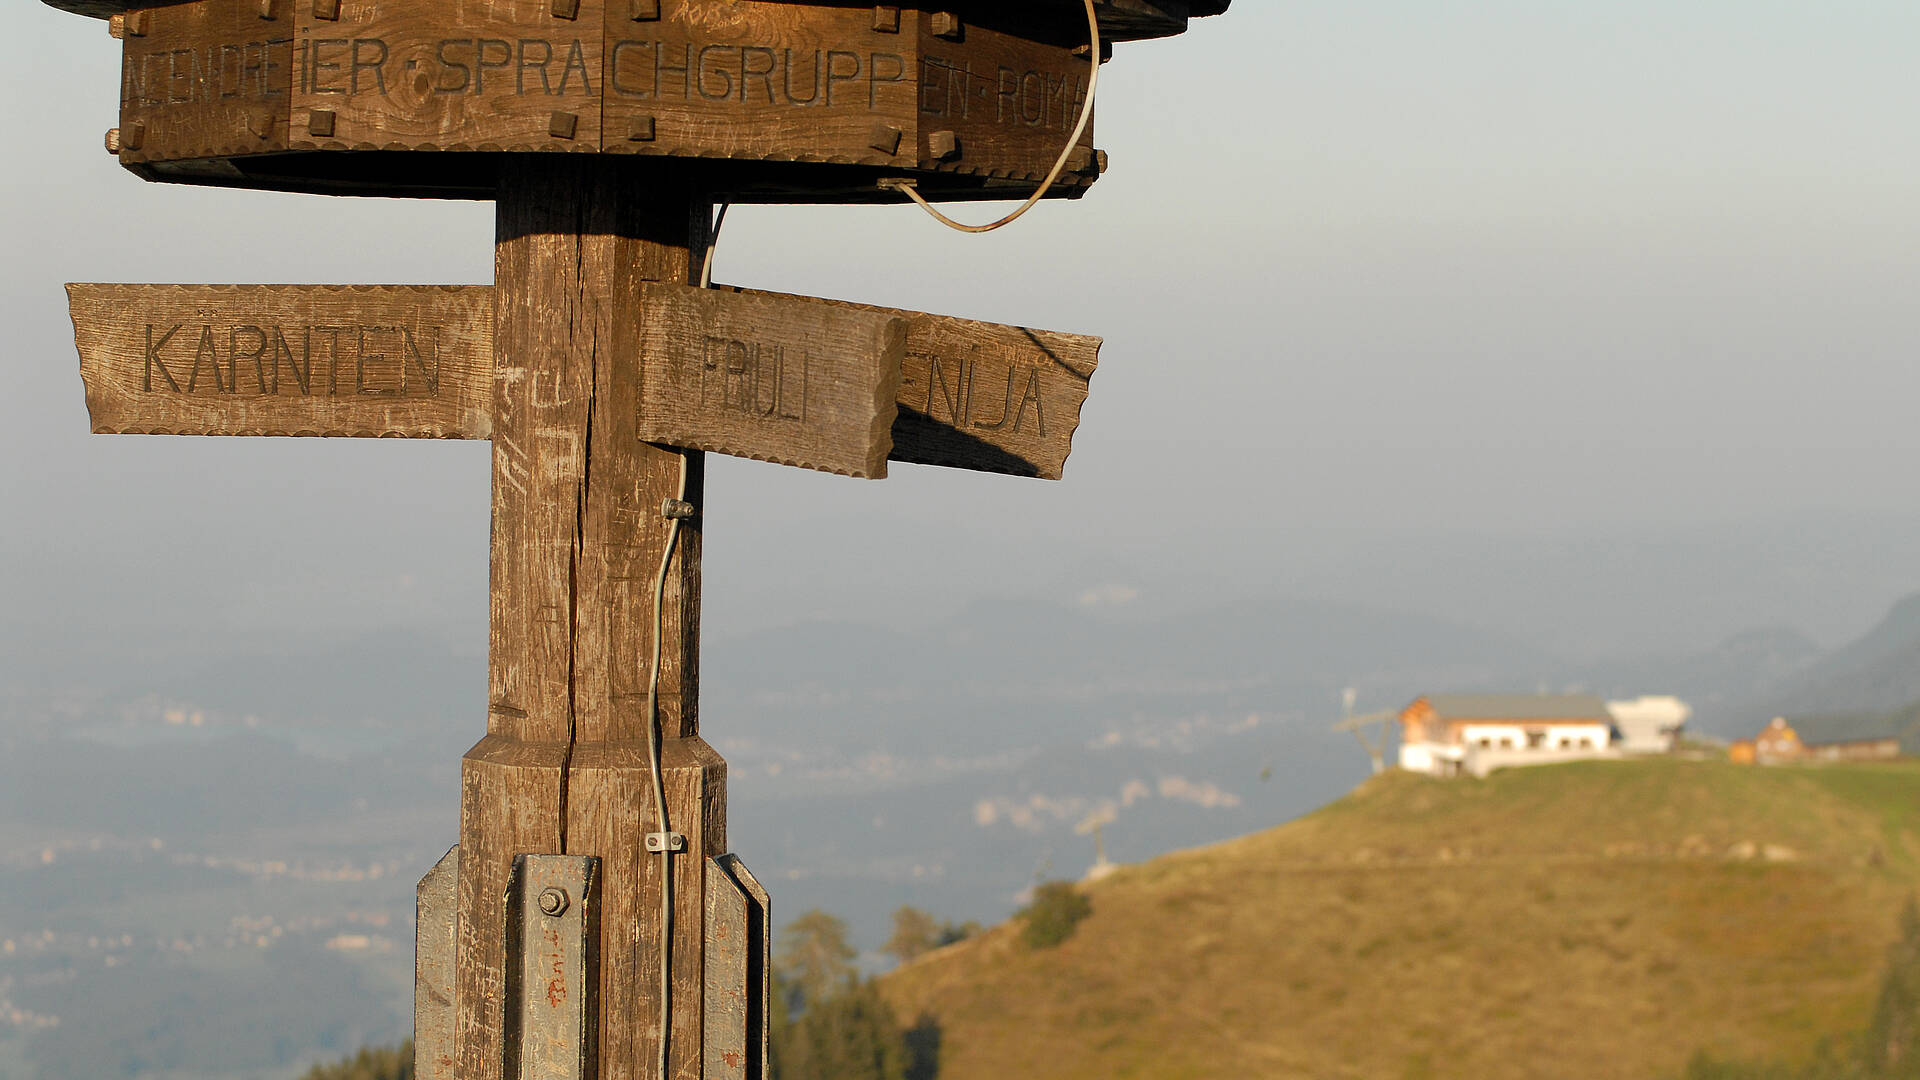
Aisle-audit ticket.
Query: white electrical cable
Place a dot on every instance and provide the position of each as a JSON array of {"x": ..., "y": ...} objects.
[
  {"x": 1060, "y": 166},
  {"x": 664, "y": 827}
]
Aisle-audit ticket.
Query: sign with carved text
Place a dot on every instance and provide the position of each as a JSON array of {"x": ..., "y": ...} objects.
[
  {"x": 763, "y": 79},
  {"x": 776, "y": 378},
  {"x": 987, "y": 397},
  {"x": 796, "y": 380},
  {"x": 420, "y": 75},
  {"x": 966, "y": 109},
  {"x": 398, "y": 360},
  {"x": 206, "y": 79}
]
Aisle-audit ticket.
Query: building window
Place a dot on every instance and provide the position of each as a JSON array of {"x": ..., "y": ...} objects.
[{"x": 1536, "y": 740}]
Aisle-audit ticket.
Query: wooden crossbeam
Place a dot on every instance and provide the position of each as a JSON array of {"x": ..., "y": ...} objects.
[{"x": 800, "y": 381}]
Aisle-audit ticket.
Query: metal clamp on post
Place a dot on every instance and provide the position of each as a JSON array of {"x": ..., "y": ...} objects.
[
  {"x": 677, "y": 510},
  {"x": 670, "y": 842}
]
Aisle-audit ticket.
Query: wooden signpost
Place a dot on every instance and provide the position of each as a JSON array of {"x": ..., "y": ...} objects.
[{"x": 591, "y": 922}]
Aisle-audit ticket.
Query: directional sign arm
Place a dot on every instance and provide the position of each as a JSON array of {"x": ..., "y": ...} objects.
[
  {"x": 821, "y": 384},
  {"x": 391, "y": 361},
  {"x": 983, "y": 396}
]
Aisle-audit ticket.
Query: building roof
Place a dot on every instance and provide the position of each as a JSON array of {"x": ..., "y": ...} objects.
[{"x": 1455, "y": 708}]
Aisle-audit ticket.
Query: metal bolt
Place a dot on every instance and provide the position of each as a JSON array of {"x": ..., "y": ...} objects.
[
  {"x": 554, "y": 900},
  {"x": 676, "y": 509}
]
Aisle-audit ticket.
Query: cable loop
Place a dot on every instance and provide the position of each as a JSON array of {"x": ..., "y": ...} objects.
[{"x": 1060, "y": 166}]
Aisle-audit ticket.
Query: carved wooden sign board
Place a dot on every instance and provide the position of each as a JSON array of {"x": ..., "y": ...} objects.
[
  {"x": 591, "y": 923},
  {"x": 794, "y": 380},
  {"x": 967, "y": 103}
]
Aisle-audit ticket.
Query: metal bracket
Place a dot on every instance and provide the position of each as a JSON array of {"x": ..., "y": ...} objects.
[
  {"x": 437, "y": 909},
  {"x": 677, "y": 510},
  {"x": 672, "y": 842},
  {"x": 736, "y": 998},
  {"x": 553, "y": 968}
]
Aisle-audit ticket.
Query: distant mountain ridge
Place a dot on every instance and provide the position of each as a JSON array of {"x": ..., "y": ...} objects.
[{"x": 1878, "y": 672}]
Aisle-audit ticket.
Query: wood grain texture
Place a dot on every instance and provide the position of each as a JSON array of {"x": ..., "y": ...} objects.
[
  {"x": 769, "y": 377},
  {"x": 206, "y": 79},
  {"x": 1120, "y": 20},
  {"x": 577, "y": 542},
  {"x": 410, "y": 361},
  {"x": 422, "y": 75},
  {"x": 767, "y": 80},
  {"x": 610, "y": 810},
  {"x": 993, "y": 103},
  {"x": 809, "y": 101},
  {"x": 985, "y": 396},
  {"x": 509, "y": 795}
]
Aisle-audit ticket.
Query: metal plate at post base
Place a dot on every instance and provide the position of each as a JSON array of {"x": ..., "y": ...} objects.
[
  {"x": 436, "y": 921},
  {"x": 738, "y": 974},
  {"x": 553, "y": 968}
]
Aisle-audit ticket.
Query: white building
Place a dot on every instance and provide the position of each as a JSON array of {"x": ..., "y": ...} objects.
[
  {"x": 1649, "y": 725},
  {"x": 1451, "y": 734}
]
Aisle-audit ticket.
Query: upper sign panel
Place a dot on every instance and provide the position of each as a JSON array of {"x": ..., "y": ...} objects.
[
  {"x": 816, "y": 101},
  {"x": 410, "y": 75},
  {"x": 1120, "y": 20}
]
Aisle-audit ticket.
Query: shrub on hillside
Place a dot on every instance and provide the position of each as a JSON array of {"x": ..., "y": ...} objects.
[
  {"x": 1056, "y": 909},
  {"x": 850, "y": 1035},
  {"x": 371, "y": 1063}
]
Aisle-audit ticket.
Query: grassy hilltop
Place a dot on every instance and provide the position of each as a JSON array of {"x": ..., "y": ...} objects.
[{"x": 1593, "y": 920}]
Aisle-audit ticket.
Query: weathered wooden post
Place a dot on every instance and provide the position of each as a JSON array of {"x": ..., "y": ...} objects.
[{"x": 591, "y": 923}]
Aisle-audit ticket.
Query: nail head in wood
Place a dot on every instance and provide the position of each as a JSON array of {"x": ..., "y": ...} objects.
[
  {"x": 945, "y": 24},
  {"x": 645, "y": 10},
  {"x": 113, "y": 140},
  {"x": 943, "y": 145},
  {"x": 566, "y": 9},
  {"x": 886, "y": 18},
  {"x": 326, "y": 9},
  {"x": 320, "y": 123},
  {"x": 643, "y": 129},
  {"x": 563, "y": 125},
  {"x": 886, "y": 139}
]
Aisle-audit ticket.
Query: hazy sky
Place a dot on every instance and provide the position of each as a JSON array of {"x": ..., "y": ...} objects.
[{"x": 1492, "y": 309}]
